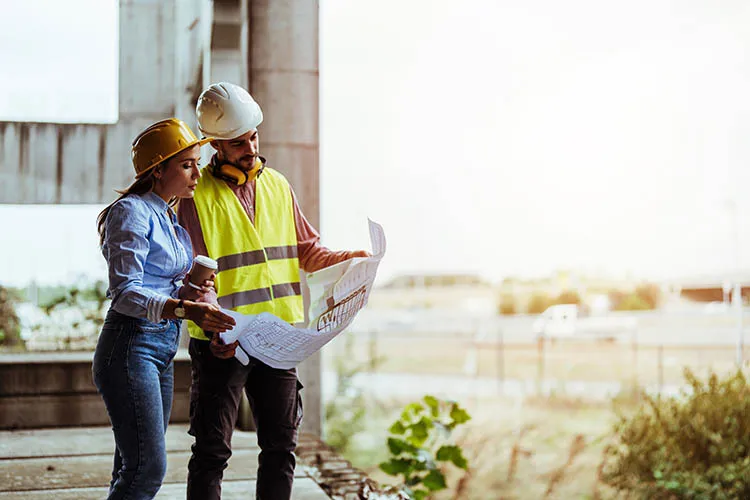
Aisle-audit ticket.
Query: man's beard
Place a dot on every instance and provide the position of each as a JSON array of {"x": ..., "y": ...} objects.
[
  {"x": 244, "y": 163},
  {"x": 247, "y": 162}
]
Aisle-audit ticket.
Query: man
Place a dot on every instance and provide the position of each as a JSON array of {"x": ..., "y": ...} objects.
[{"x": 245, "y": 215}]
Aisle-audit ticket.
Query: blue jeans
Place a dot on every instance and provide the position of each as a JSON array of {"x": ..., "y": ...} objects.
[{"x": 134, "y": 372}]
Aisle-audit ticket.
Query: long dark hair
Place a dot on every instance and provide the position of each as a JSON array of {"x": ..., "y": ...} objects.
[{"x": 140, "y": 186}]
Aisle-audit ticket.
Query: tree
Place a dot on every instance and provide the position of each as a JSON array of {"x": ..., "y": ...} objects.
[
  {"x": 568, "y": 297},
  {"x": 645, "y": 297},
  {"x": 507, "y": 305},
  {"x": 650, "y": 293},
  {"x": 539, "y": 303},
  {"x": 631, "y": 302}
]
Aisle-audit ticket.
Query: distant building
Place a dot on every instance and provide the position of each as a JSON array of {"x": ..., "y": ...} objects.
[
  {"x": 467, "y": 293},
  {"x": 436, "y": 280},
  {"x": 711, "y": 288}
]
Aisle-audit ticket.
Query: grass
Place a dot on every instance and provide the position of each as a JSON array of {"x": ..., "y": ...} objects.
[
  {"x": 517, "y": 449},
  {"x": 524, "y": 447}
]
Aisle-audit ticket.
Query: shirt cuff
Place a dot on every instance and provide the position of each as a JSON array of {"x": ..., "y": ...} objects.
[{"x": 155, "y": 308}]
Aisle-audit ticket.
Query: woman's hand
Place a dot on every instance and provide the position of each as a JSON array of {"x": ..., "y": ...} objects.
[
  {"x": 206, "y": 291},
  {"x": 209, "y": 317},
  {"x": 360, "y": 253}
]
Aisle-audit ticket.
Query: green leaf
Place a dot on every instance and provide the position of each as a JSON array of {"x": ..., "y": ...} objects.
[
  {"x": 445, "y": 453},
  {"x": 416, "y": 442},
  {"x": 398, "y": 446},
  {"x": 412, "y": 410},
  {"x": 434, "y": 480},
  {"x": 672, "y": 485},
  {"x": 419, "y": 465},
  {"x": 459, "y": 415},
  {"x": 397, "y": 428},
  {"x": 414, "y": 480},
  {"x": 421, "y": 430},
  {"x": 453, "y": 454},
  {"x": 396, "y": 466},
  {"x": 420, "y": 494},
  {"x": 433, "y": 404}
]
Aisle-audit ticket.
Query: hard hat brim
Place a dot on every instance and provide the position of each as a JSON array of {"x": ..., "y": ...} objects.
[
  {"x": 234, "y": 134},
  {"x": 199, "y": 142}
]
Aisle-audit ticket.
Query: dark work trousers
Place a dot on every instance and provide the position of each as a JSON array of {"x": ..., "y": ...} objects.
[{"x": 215, "y": 396}]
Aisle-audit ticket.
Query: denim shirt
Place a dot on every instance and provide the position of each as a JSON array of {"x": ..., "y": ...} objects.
[{"x": 147, "y": 253}]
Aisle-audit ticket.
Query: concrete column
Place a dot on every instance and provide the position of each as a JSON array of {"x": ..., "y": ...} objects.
[
  {"x": 229, "y": 39},
  {"x": 283, "y": 77}
]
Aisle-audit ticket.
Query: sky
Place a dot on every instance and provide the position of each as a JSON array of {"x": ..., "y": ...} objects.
[{"x": 498, "y": 137}]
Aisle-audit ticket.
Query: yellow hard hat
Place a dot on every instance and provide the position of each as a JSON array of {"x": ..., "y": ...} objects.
[{"x": 161, "y": 141}]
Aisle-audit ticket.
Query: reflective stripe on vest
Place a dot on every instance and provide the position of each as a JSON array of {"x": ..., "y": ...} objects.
[{"x": 258, "y": 264}]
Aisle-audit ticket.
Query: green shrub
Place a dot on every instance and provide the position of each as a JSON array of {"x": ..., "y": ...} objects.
[
  {"x": 419, "y": 441},
  {"x": 696, "y": 445}
]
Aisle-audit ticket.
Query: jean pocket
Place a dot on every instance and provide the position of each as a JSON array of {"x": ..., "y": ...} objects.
[
  {"x": 146, "y": 326},
  {"x": 106, "y": 346}
]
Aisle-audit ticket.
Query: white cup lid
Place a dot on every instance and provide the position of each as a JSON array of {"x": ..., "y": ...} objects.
[{"x": 206, "y": 262}]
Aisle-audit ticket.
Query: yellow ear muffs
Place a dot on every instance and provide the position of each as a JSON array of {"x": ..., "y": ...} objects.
[{"x": 232, "y": 174}]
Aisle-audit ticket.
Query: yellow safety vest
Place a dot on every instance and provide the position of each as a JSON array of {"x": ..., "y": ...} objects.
[{"x": 258, "y": 264}]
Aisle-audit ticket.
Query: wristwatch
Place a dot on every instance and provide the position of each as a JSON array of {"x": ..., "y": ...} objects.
[{"x": 179, "y": 311}]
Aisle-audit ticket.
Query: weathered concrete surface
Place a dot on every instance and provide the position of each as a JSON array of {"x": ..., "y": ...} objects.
[
  {"x": 56, "y": 390},
  {"x": 76, "y": 463},
  {"x": 304, "y": 489},
  {"x": 159, "y": 66}
]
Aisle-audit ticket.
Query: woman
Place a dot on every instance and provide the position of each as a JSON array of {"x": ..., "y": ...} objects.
[{"x": 148, "y": 254}]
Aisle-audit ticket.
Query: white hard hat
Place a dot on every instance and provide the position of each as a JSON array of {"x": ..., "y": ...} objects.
[{"x": 226, "y": 111}]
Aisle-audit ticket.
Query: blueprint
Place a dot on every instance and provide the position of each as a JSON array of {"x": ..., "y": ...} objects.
[{"x": 337, "y": 294}]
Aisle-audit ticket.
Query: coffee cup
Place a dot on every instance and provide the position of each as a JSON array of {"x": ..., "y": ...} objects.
[{"x": 203, "y": 268}]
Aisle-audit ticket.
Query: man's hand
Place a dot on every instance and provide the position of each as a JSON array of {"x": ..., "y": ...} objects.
[
  {"x": 220, "y": 349},
  {"x": 360, "y": 253},
  {"x": 205, "y": 294}
]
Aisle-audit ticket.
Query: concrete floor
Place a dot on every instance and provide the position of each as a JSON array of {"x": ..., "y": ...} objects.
[{"x": 76, "y": 463}]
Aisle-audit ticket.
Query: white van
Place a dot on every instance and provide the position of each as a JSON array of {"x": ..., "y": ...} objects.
[{"x": 568, "y": 321}]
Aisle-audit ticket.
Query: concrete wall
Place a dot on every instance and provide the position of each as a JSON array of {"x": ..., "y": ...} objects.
[
  {"x": 159, "y": 75},
  {"x": 56, "y": 390}
]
